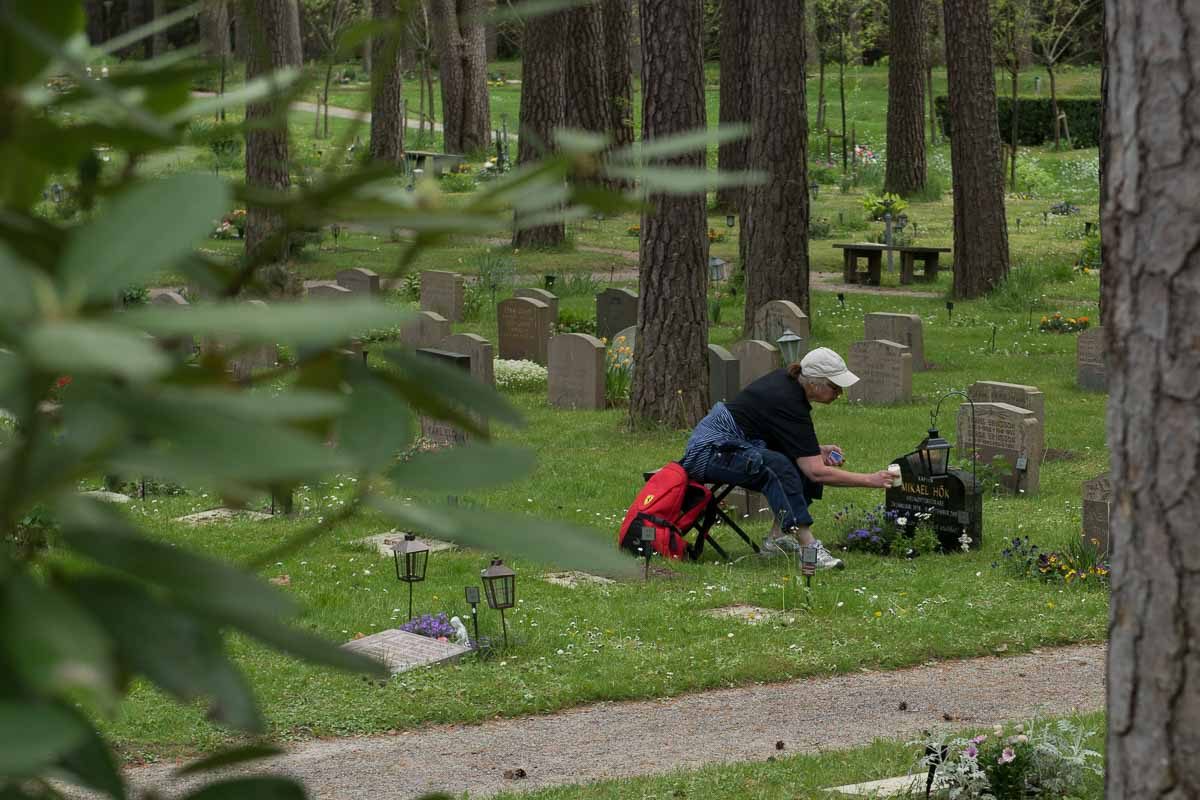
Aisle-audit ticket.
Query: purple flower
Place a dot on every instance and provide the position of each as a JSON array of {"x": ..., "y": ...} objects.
[
  {"x": 980, "y": 739},
  {"x": 1008, "y": 756},
  {"x": 972, "y": 751},
  {"x": 429, "y": 625}
]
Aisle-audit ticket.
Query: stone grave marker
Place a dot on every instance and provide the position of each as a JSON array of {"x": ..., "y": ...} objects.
[
  {"x": 168, "y": 297},
  {"x": 1015, "y": 394},
  {"x": 524, "y": 325},
  {"x": 574, "y": 579},
  {"x": 1007, "y": 431},
  {"x": 747, "y": 504},
  {"x": 903, "y": 329},
  {"x": 400, "y": 650},
  {"x": 105, "y": 496},
  {"x": 359, "y": 281},
  {"x": 884, "y": 370},
  {"x": 576, "y": 378},
  {"x": 382, "y": 543},
  {"x": 549, "y": 298},
  {"x": 479, "y": 350},
  {"x": 724, "y": 375},
  {"x": 900, "y": 786},
  {"x": 955, "y": 503},
  {"x": 443, "y": 293},
  {"x": 325, "y": 290},
  {"x": 179, "y": 346},
  {"x": 263, "y": 356},
  {"x": 757, "y": 358},
  {"x": 616, "y": 309},
  {"x": 439, "y": 432},
  {"x": 1091, "y": 367},
  {"x": 222, "y": 515},
  {"x": 427, "y": 329},
  {"x": 751, "y": 615},
  {"x": 1097, "y": 498},
  {"x": 777, "y": 316}
]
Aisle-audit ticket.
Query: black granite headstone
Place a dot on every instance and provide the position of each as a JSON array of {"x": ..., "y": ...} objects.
[
  {"x": 954, "y": 501},
  {"x": 439, "y": 432}
]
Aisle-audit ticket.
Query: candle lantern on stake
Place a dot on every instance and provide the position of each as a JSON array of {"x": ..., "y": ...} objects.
[
  {"x": 949, "y": 310},
  {"x": 808, "y": 564},
  {"x": 548, "y": 281},
  {"x": 411, "y": 557},
  {"x": 716, "y": 269},
  {"x": 730, "y": 220},
  {"x": 842, "y": 299},
  {"x": 647, "y": 543},
  {"x": 499, "y": 584},
  {"x": 790, "y": 345},
  {"x": 472, "y": 596},
  {"x": 814, "y": 189}
]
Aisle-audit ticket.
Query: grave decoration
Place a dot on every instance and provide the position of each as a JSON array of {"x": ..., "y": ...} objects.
[
  {"x": 471, "y": 594},
  {"x": 500, "y": 587},
  {"x": 791, "y": 346},
  {"x": 411, "y": 556}
]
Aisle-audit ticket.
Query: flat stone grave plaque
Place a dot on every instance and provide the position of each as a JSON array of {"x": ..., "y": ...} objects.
[
  {"x": 168, "y": 297},
  {"x": 903, "y": 329},
  {"x": 549, "y": 298},
  {"x": 1006, "y": 431},
  {"x": 1091, "y": 367},
  {"x": 524, "y": 325},
  {"x": 436, "y": 431},
  {"x": 1015, "y": 394},
  {"x": 382, "y": 543},
  {"x": 576, "y": 379},
  {"x": 1097, "y": 499},
  {"x": 263, "y": 356},
  {"x": 443, "y": 293},
  {"x": 400, "y": 650},
  {"x": 105, "y": 496},
  {"x": 325, "y": 290},
  {"x": 777, "y": 316},
  {"x": 427, "y": 329},
  {"x": 479, "y": 350},
  {"x": 756, "y": 358},
  {"x": 905, "y": 785},
  {"x": 222, "y": 515},
  {"x": 724, "y": 375},
  {"x": 751, "y": 615},
  {"x": 574, "y": 579},
  {"x": 359, "y": 280},
  {"x": 884, "y": 370},
  {"x": 954, "y": 502},
  {"x": 616, "y": 309}
]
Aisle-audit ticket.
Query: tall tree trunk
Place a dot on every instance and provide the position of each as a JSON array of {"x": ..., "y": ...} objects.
[
  {"x": 1106, "y": 278},
  {"x": 587, "y": 81},
  {"x": 462, "y": 66},
  {"x": 214, "y": 29},
  {"x": 933, "y": 137},
  {"x": 618, "y": 74},
  {"x": 670, "y": 374},
  {"x": 267, "y": 32},
  {"x": 821, "y": 94},
  {"x": 905, "y": 171},
  {"x": 1152, "y": 336},
  {"x": 97, "y": 21},
  {"x": 980, "y": 229},
  {"x": 734, "y": 108},
  {"x": 842, "y": 90},
  {"x": 366, "y": 45},
  {"x": 159, "y": 40},
  {"x": 387, "y": 89},
  {"x": 1054, "y": 105},
  {"x": 543, "y": 110},
  {"x": 1016, "y": 127},
  {"x": 295, "y": 39},
  {"x": 774, "y": 238}
]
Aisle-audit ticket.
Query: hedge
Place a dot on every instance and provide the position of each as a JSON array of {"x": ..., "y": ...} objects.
[{"x": 1034, "y": 119}]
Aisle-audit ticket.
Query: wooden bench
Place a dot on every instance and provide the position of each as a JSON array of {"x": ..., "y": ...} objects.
[
  {"x": 929, "y": 262},
  {"x": 873, "y": 252}
]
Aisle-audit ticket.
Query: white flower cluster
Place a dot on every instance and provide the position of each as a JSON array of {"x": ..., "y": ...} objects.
[{"x": 516, "y": 375}]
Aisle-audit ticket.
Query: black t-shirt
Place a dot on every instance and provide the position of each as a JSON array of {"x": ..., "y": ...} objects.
[{"x": 775, "y": 409}]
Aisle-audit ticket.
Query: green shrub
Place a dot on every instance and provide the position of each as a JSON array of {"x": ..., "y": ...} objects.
[
  {"x": 1035, "y": 119},
  {"x": 577, "y": 284},
  {"x": 933, "y": 190},
  {"x": 457, "y": 182},
  {"x": 878, "y": 205},
  {"x": 570, "y": 322},
  {"x": 820, "y": 228},
  {"x": 824, "y": 174}
]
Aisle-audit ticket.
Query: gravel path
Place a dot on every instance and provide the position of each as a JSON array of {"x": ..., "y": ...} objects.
[{"x": 610, "y": 740}]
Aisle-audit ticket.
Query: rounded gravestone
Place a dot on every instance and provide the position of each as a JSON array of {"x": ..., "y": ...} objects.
[
  {"x": 777, "y": 316},
  {"x": 576, "y": 378}
]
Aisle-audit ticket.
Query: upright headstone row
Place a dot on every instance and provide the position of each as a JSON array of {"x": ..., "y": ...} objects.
[
  {"x": 443, "y": 293},
  {"x": 524, "y": 326},
  {"x": 616, "y": 309},
  {"x": 576, "y": 373},
  {"x": 999, "y": 429},
  {"x": 903, "y": 329},
  {"x": 884, "y": 369}
]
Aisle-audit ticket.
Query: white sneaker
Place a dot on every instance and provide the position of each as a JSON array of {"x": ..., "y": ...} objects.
[
  {"x": 825, "y": 560},
  {"x": 780, "y": 545}
]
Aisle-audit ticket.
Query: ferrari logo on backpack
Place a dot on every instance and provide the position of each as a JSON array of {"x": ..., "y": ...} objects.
[{"x": 649, "y": 499}]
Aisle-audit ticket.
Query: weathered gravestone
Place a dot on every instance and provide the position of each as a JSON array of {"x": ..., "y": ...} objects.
[
  {"x": 953, "y": 501},
  {"x": 1097, "y": 498},
  {"x": 1015, "y": 394},
  {"x": 427, "y": 329},
  {"x": 616, "y": 309},
  {"x": 1006, "y": 431},
  {"x": 479, "y": 350},
  {"x": 747, "y": 504},
  {"x": 262, "y": 356},
  {"x": 884, "y": 370},
  {"x": 756, "y": 358},
  {"x": 324, "y": 290},
  {"x": 179, "y": 346},
  {"x": 524, "y": 325},
  {"x": 1091, "y": 368},
  {"x": 549, "y": 298},
  {"x": 777, "y": 316},
  {"x": 576, "y": 371},
  {"x": 904, "y": 329},
  {"x": 439, "y": 432},
  {"x": 359, "y": 281},
  {"x": 443, "y": 293},
  {"x": 400, "y": 650},
  {"x": 724, "y": 375}
]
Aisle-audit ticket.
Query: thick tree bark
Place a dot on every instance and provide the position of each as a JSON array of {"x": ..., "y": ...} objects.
[
  {"x": 587, "y": 82},
  {"x": 266, "y": 24},
  {"x": 618, "y": 30},
  {"x": 980, "y": 229},
  {"x": 159, "y": 40},
  {"x": 366, "y": 45},
  {"x": 774, "y": 241},
  {"x": 543, "y": 110},
  {"x": 387, "y": 90},
  {"x": 462, "y": 63},
  {"x": 295, "y": 39},
  {"x": 734, "y": 108},
  {"x": 1106, "y": 278},
  {"x": 1151, "y": 233},
  {"x": 670, "y": 373},
  {"x": 1054, "y": 107},
  {"x": 214, "y": 28},
  {"x": 905, "y": 172}
]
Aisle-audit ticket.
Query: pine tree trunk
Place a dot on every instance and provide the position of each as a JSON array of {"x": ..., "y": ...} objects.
[
  {"x": 905, "y": 171},
  {"x": 387, "y": 90},
  {"x": 1106, "y": 278},
  {"x": 462, "y": 68},
  {"x": 618, "y": 74},
  {"x": 267, "y": 48},
  {"x": 821, "y": 94},
  {"x": 477, "y": 113},
  {"x": 1054, "y": 106},
  {"x": 543, "y": 109},
  {"x": 734, "y": 108},
  {"x": 214, "y": 29},
  {"x": 933, "y": 137},
  {"x": 670, "y": 374},
  {"x": 587, "y": 82},
  {"x": 366, "y": 45},
  {"x": 295, "y": 39},
  {"x": 447, "y": 39},
  {"x": 775, "y": 223},
  {"x": 980, "y": 229},
  {"x": 1152, "y": 336}
]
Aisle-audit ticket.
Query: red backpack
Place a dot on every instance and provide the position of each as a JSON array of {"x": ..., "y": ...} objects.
[{"x": 670, "y": 503}]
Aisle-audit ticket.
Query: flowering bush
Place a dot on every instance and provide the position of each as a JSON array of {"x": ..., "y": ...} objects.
[
  {"x": 1043, "y": 760},
  {"x": 434, "y": 626},
  {"x": 885, "y": 532},
  {"x": 225, "y": 230},
  {"x": 878, "y": 205},
  {"x": 1079, "y": 564},
  {"x": 618, "y": 371},
  {"x": 1057, "y": 323},
  {"x": 865, "y": 155},
  {"x": 715, "y": 235},
  {"x": 634, "y": 230},
  {"x": 519, "y": 375}
]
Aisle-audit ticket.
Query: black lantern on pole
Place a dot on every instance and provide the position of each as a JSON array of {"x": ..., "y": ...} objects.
[
  {"x": 411, "y": 557},
  {"x": 548, "y": 281},
  {"x": 934, "y": 451},
  {"x": 472, "y": 595},
  {"x": 814, "y": 189},
  {"x": 500, "y": 586},
  {"x": 790, "y": 345},
  {"x": 730, "y": 220},
  {"x": 808, "y": 563}
]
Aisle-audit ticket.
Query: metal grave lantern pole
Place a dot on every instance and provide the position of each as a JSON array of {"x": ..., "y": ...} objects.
[
  {"x": 411, "y": 557},
  {"x": 808, "y": 564},
  {"x": 790, "y": 346},
  {"x": 499, "y": 584},
  {"x": 647, "y": 542},
  {"x": 472, "y": 596},
  {"x": 934, "y": 451}
]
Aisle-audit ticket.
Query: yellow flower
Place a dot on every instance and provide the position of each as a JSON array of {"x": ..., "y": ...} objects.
[
  {"x": 878, "y": 614},
  {"x": 1050, "y": 604}
]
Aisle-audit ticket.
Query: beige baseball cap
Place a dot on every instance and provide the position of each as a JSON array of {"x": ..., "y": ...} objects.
[{"x": 825, "y": 363}]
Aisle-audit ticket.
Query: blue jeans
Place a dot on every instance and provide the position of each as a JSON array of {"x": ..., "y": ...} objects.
[{"x": 765, "y": 471}]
